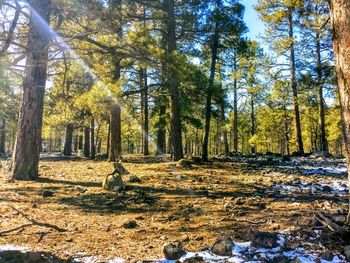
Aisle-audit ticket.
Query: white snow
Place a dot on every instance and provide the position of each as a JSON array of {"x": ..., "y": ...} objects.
[{"x": 242, "y": 252}]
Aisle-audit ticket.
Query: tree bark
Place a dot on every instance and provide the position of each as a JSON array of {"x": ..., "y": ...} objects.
[
  {"x": 92, "y": 138},
  {"x": 252, "y": 123},
  {"x": 297, "y": 128},
  {"x": 321, "y": 106},
  {"x": 115, "y": 134},
  {"x": 235, "y": 107},
  {"x": 223, "y": 119},
  {"x": 86, "y": 142},
  {"x": 209, "y": 92},
  {"x": 172, "y": 82},
  {"x": 144, "y": 111},
  {"x": 2, "y": 136},
  {"x": 28, "y": 138},
  {"x": 161, "y": 132},
  {"x": 68, "y": 140},
  {"x": 340, "y": 14}
]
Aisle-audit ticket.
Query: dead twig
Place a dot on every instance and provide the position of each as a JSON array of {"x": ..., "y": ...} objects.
[
  {"x": 330, "y": 224},
  {"x": 33, "y": 222}
]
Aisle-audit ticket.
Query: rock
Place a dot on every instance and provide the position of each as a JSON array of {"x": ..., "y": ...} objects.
[
  {"x": 223, "y": 247},
  {"x": 326, "y": 188},
  {"x": 238, "y": 201},
  {"x": 327, "y": 255},
  {"x": 195, "y": 259},
  {"x": 130, "y": 224},
  {"x": 185, "y": 163},
  {"x": 280, "y": 259},
  {"x": 33, "y": 257},
  {"x": 347, "y": 251},
  {"x": 47, "y": 193},
  {"x": 265, "y": 240},
  {"x": 173, "y": 251},
  {"x": 261, "y": 206},
  {"x": 134, "y": 179}
]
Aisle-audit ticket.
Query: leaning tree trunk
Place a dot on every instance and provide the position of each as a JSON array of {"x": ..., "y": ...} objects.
[
  {"x": 68, "y": 140},
  {"x": 340, "y": 14},
  {"x": 28, "y": 137},
  {"x": 172, "y": 83},
  {"x": 297, "y": 128}
]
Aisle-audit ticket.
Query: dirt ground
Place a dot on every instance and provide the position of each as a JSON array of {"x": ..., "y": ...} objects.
[{"x": 193, "y": 205}]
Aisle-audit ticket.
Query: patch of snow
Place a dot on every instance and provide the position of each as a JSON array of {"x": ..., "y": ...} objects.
[{"x": 9, "y": 247}]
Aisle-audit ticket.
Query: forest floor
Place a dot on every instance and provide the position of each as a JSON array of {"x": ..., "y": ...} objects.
[{"x": 194, "y": 205}]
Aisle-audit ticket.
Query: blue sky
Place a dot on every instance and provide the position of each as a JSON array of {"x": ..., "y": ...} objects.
[{"x": 255, "y": 26}]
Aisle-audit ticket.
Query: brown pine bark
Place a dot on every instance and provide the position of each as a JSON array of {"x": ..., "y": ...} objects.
[
  {"x": 340, "y": 14},
  {"x": 252, "y": 122},
  {"x": 172, "y": 83},
  {"x": 2, "y": 135},
  {"x": 28, "y": 138},
  {"x": 161, "y": 132},
  {"x": 115, "y": 134},
  {"x": 92, "y": 139},
  {"x": 68, "y": 140},
  {"x": 321, "y": 106},
  {"x": 86, "y": 142},
  {"x": 297, "y": 125},
  {"x": 214, "y": 55},
  {"x": 144, "y": 111},
  {"x": 235, "y": 107}
]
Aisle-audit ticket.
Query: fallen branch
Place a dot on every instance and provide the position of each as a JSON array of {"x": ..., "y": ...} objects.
[
  {"x": 32, "y": 223},
  {"x": 14, "y": 229},
  {"x": 330, "y": 224}
]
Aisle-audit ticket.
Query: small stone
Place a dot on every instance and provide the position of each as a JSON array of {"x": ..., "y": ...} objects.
[
  {"x": 347, "y": 251},
  {"x": 327, "y": 255},
  {"x": 33, "y": 257},
  {"x": 185, "y": 163},
  {"x": 134, "y": 179},
  {"x": 173, "y": 251},
  {"x": 47, "y": 193},
  {"x": 223, "y": 247},
  {"x": 195, "y": 259},
  {"x": 262, "y": 206},
  {"x": 265, "y": 240},
  {"x": 130, "y": 224},
  {"x": 280, "y": 259},
  {"x": 326, "y": 188},
  {"x": 238, "y": 201}
]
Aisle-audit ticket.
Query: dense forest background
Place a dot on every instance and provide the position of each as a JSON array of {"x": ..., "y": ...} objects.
[{"x": 175, "y": 77}]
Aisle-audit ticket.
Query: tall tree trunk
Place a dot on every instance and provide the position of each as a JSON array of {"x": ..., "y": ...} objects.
[
  {"x": 2, "y": 136},
  {"x": 235, "y": 106},
  {"x": 286, "y": 130},
  {"x": 86, "y": 142},
  {"x": 252, "y": 123},
  {"x": 298, "y": 135},
  {"x": 68, "y": 140},
  {"x": 209, "y": 92},
  {"x": 340, "y": 14},
  {"x": 115, "y": 150},
  {"x": 144, "y": 107},
  {"x": 108, "y": 139},
  {"x": 321, "y": 111},
  {"x": 172, "y": 82},
  {"x": 223, "y": 119},
  {"x": 28, "y": 138},
  {"x": 92, "y": 138}
]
